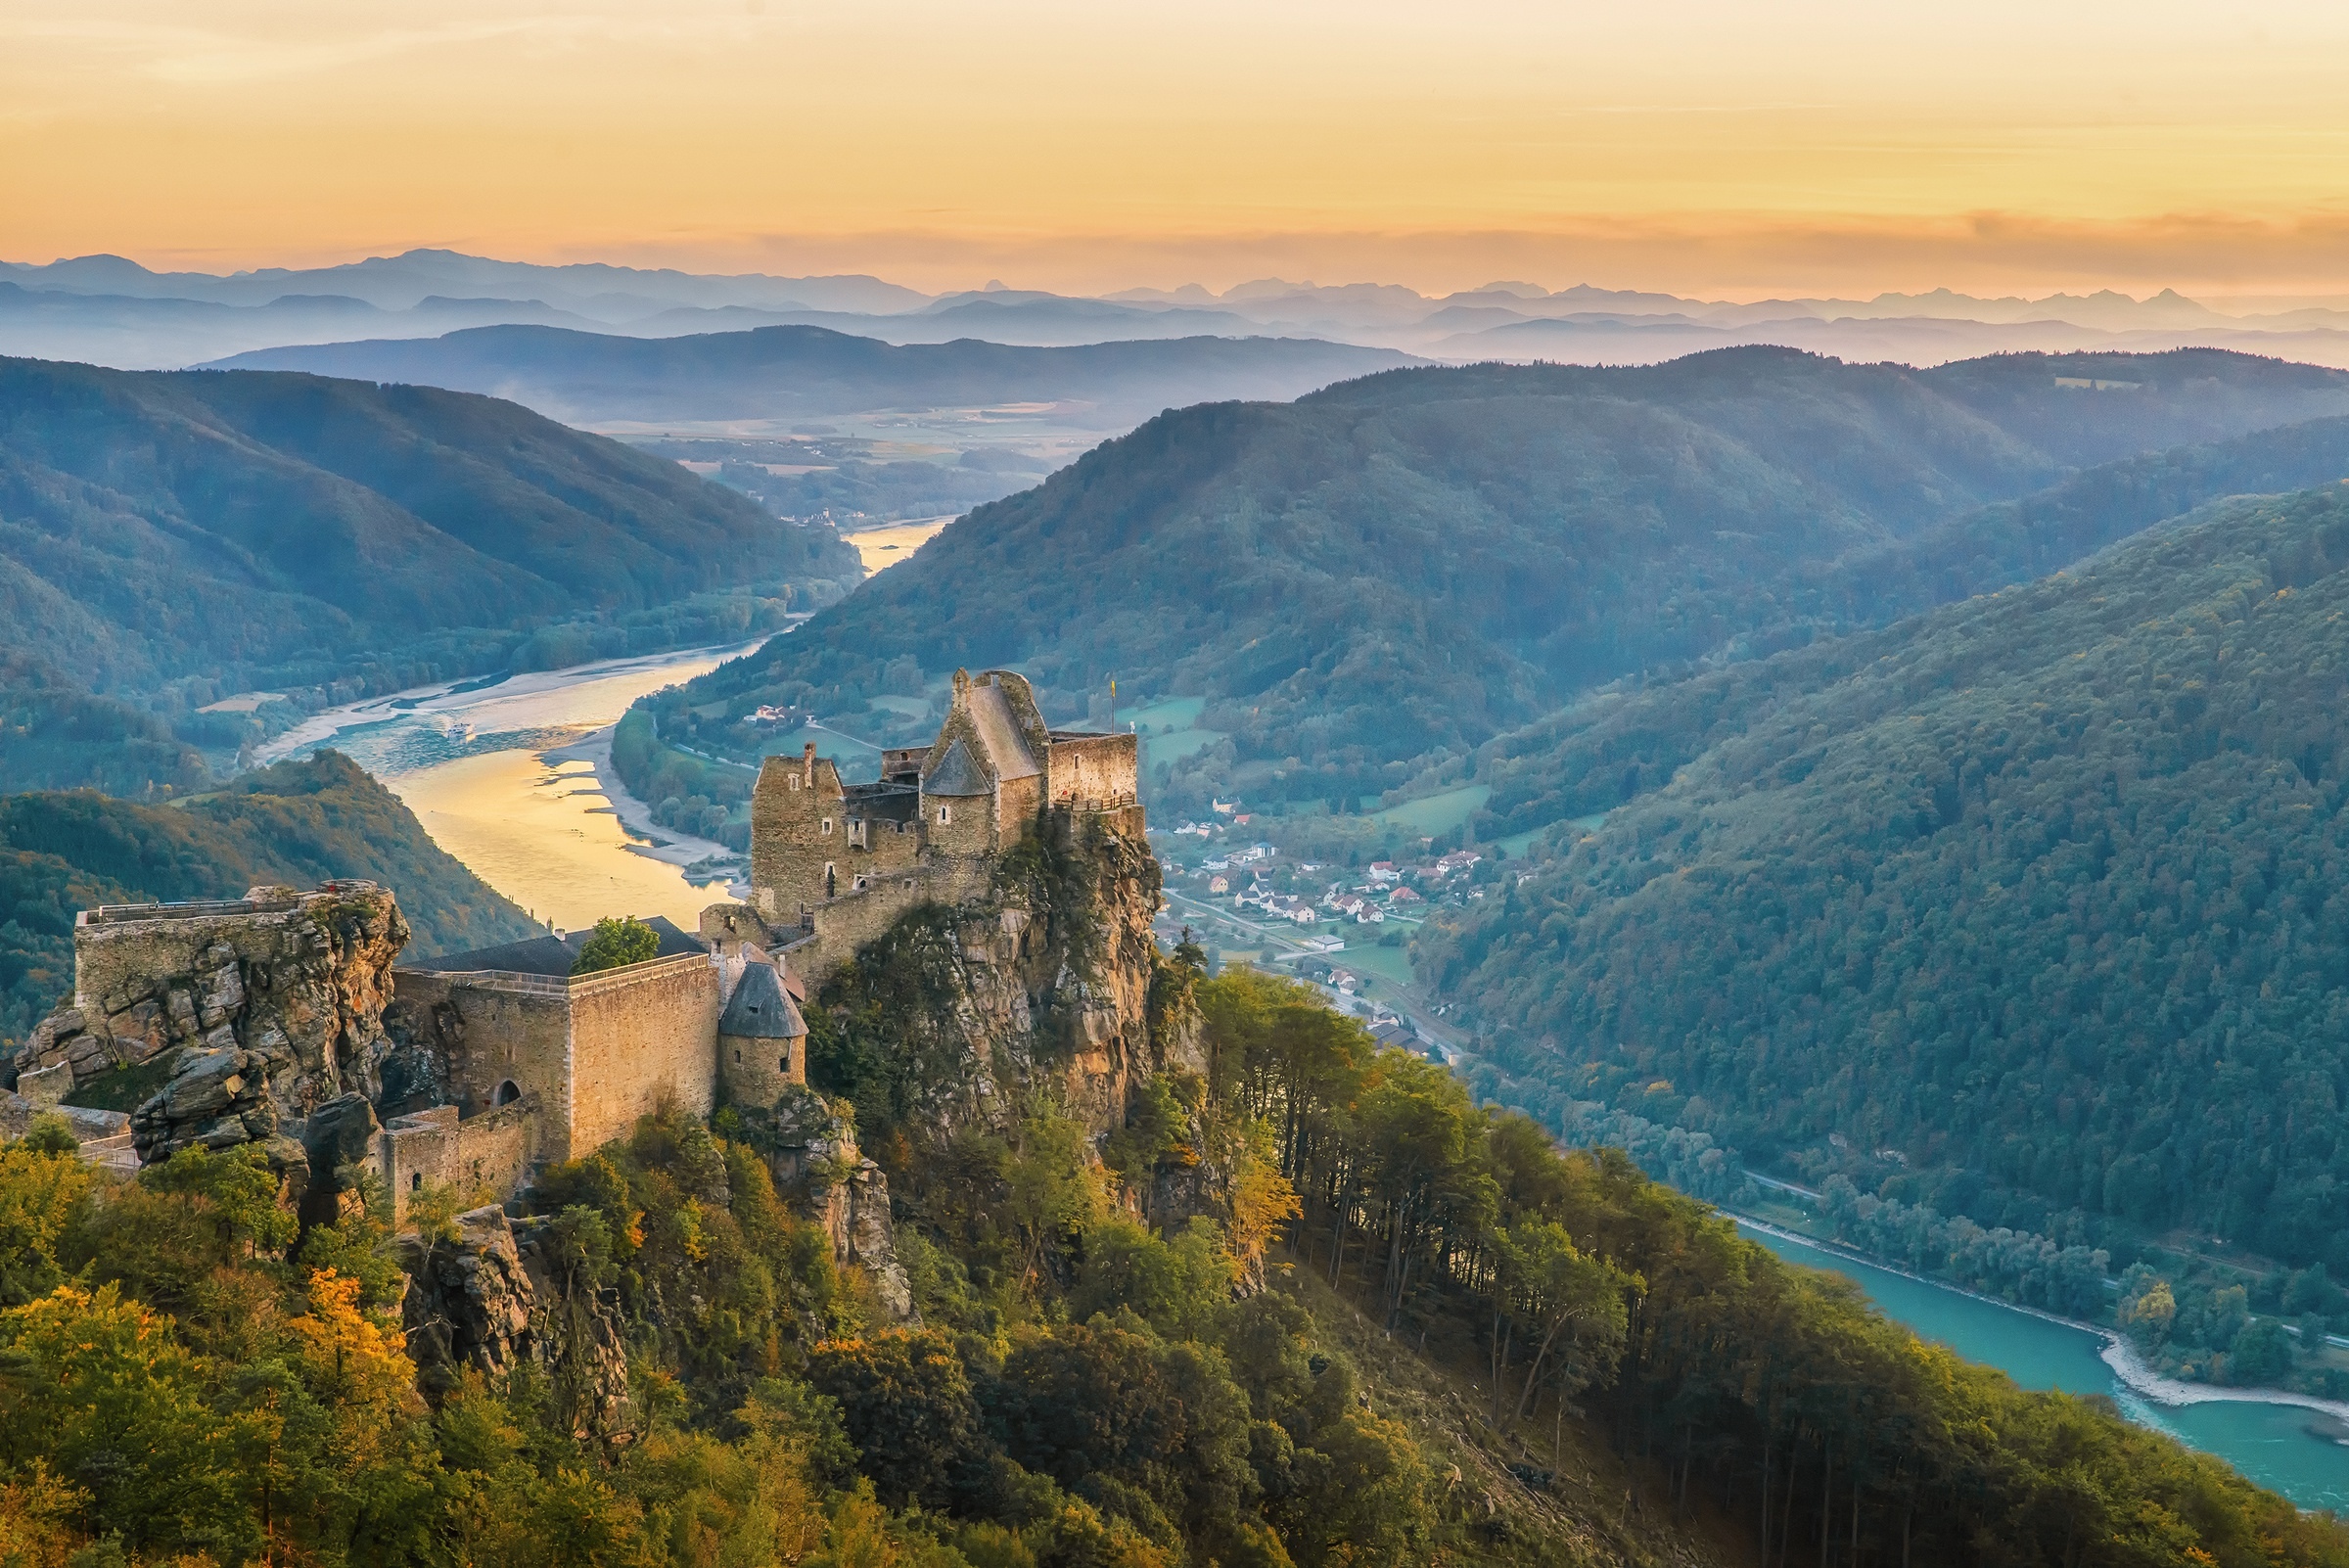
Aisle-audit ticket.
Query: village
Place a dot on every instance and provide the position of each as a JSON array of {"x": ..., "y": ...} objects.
[{"x": 1344, "y": 928}]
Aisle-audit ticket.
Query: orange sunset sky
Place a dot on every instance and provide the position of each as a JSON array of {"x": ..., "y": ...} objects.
[{"x": 1732, "y": 150}]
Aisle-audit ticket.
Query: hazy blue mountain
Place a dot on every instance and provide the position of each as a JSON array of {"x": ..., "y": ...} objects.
[
  {"x": 246, "y": 528},
  {"x": 400, "y": 282},
  {"x": 1404, "y": 564},
  {"x": 809, "y": 372}
]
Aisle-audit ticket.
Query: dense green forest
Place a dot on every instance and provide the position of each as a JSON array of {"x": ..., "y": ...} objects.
[
  {"x": 2029, "y": 907},
  {"x": 55, "y": 735},
  {"x": 251, "y": 529},
  {"x": 1399, "y": 567},
  {"x": 300, "y": 823},
  {"x": 1399, "y": 1329}
]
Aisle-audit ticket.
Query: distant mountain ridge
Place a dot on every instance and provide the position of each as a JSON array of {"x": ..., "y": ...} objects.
[
  {"x": 111, "y": 310},
  {"x": 251, "y": 527},
  {"x": 1404, "y": 564},
  {"x": 803, "y": 371}
]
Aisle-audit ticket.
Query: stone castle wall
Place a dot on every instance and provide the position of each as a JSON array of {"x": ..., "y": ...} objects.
[
  {"x": 794, "y": 800},
  {"x": 485, "y": 1158},
  {"x": 487, "y": 1030},
  {"x": 640, "y": 1036},
  {"x": 1094, "y": 770},
  {"x": 592, "y": 1053}
]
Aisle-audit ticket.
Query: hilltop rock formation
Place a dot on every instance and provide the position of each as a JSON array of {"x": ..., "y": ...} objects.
[{"x": 273, "y": 1004}]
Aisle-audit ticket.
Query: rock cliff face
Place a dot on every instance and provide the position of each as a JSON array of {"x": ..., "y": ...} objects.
[
  {"x": 272, "y": 1006},
  {"x": 810, "y": 1148},
  {"x": 1050, "y": 980},
  {"x": 497, "y": 1296}
]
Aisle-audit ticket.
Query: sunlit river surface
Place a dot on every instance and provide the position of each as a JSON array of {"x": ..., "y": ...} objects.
[
  {"x": 2279, "y": 1446},
  {"x": 467, "y": 764}
]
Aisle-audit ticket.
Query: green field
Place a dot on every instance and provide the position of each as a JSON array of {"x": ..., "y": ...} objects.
[
  {"x": 1176, "y": 747},
  {"x": 1175, "y": 713},
  {"x": 911, "y": 707},
  {"x": 1436, "y": 813}
]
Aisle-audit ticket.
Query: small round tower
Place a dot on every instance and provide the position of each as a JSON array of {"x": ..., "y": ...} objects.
[{"x": 762, "y": 1040}]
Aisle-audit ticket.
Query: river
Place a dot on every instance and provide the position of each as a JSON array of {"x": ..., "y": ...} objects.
[
  {"x": 2282, "y": 1447},
  {"x": 503, "y": 777}
]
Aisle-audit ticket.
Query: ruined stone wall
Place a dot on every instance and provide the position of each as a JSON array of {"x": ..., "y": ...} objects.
[
  {"x": 799, "y": 824},
  {"x": 272, "y": 1005},
  {"x": 1017, "y": 802},
  {"x": 639, "y": 1035},
  {"x": 1094, "y": 771},
  {"x": 486, "y": 1158},
  {"x": 852, "y": 919},
  {"x": 882, "y": 847},
  {"x": 479, "y": 1032}
]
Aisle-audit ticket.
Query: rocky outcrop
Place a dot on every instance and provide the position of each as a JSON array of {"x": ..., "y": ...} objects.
[
  {"x": 496, "y": 1297},
  {"x": 811, "y": 1149},
  {"x": 272, "y": 1005},
  {"x": 1049, "y": 978}
]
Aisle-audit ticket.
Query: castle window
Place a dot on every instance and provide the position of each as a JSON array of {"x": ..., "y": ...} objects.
[
  {"x": 738, "y": 1058},
  {"x": 786, "y": 1066},
  {"x": 945, "y": 814},
  {"x": 506, "y": 1094},
  {"x": 416, "y": 1181},
  {"x": 827, "y": 824}
]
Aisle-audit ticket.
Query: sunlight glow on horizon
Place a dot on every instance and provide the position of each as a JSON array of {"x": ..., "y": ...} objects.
[{"x": 1698, "y": 145}]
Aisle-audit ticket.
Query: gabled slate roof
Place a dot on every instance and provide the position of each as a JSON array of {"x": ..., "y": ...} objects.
[
  {"x": 956, "y": 774},
  {"x": 760, "y": 1009},
  {"x": 998, "y": 730}
]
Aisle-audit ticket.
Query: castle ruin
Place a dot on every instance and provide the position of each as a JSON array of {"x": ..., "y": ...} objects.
[{"x": 294, "y": 1027}]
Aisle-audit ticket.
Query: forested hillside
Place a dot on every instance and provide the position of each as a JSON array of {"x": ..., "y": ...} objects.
[
  {"x": 2041, "y": 893},
  {"x": 300, "y": 823},
  {"x": 56, "y": 736},
  {"x": 1405, "y": 564},
  {"x": 794, "y": 372},
  {"x": 1376, "y": 1325},
  {"x": 244, "y": 529}
]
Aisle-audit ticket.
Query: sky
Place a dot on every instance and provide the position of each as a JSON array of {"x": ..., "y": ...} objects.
[{"x": 1726, "y": 150}]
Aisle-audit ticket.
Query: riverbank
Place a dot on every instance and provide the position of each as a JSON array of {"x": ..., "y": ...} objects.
[
  {"x": 665, "y": 844},
  {"x": 2129, "y": 1367}
]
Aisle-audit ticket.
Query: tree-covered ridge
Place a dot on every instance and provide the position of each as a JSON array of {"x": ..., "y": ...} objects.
[
  {"x": 55, "y": 735},
  {"x": 1609, "y": 1373},
  {"x": 1405, "y": 564},
  {"x": 252, "y": 528},
  {"x": 298, "y": 822},
  {"x": 2040, "y": 892}
]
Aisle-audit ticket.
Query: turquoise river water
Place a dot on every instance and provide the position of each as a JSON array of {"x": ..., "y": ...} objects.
[{"x": 2283, "y": 1446}]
